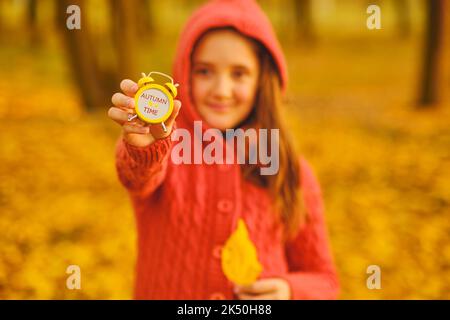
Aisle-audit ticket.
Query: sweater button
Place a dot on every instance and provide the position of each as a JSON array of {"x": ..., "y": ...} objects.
[
  {"x": 217, "y": 296},
  {"x": 217, "y": 252},
  {"x": 225, "y": 205}
]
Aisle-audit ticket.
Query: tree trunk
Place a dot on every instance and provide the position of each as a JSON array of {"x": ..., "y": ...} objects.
[
  {"x": 432, "y": 58},
  {"x": 125, "y": 33},
  {"x": 32, "y": 20},
  {"x": 146, "y": 26},
  {"x": 1, "y": 20},
  {"x": 304, "y": 22},
  {"x": 402, "y": 8},
  {"x": 81, "y": 55}
]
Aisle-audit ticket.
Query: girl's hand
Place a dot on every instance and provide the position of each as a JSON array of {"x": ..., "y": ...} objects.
[
  {"x": 265, "y": 289},
  {"x": 137, "y": 132}
]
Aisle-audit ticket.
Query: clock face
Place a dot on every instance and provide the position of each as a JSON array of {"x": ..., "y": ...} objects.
[{"x": 153, "y": 103}]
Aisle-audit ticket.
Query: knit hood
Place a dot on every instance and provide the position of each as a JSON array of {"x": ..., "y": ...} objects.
[{"x": 243, "y": 15}]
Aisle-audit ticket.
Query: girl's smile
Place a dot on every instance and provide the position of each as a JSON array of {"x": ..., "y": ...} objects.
[{"x": 218, "y": 107}]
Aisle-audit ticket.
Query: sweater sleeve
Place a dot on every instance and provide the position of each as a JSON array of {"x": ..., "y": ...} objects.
[
  {"x": 142, "y": 169},
  {"x": 312, "y": 274}
]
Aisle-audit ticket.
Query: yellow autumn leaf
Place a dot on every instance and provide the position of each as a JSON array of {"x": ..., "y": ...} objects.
[{"x": 239, "y": 257}]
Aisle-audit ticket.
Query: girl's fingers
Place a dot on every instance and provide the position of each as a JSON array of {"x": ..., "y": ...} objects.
[
  {"x": 157, "y": 129},
  {"x": 120, "y": 116},
  {"x": 267, "y": 296},
  {"x": 129, "y": 128},
  {"x": 129, "y": 87},
  {"x": 258, "y": 287},
  {"x": 122, "y": 101},
  {"x": 119, "y": 113},
  {"x": 176, "y": 110}
]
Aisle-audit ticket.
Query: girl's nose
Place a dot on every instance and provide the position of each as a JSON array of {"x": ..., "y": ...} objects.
[{"x": 223, "y": 88}]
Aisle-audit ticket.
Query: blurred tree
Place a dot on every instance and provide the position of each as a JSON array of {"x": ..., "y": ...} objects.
[
  {"x": 1, "y": 19},
  {"x": 32, "y": 20},
  {"x": 82, "y": 57},
  {"x": 432, "y": 58},
  {"x": 97, "y": 82},
  {"x": 402, "y": 8},
  {"x": 303, "y": 19},
  {"x": 124, "y": 14},
  {"x": 146, "y": 24}
]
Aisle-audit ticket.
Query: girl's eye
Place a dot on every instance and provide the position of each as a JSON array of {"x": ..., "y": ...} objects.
[
  {"x": 202, "y": 71},
  {"x": 238, "y": 74}
]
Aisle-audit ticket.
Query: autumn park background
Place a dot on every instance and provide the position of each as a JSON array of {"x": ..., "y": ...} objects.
[{"x": 370, "y": 109}]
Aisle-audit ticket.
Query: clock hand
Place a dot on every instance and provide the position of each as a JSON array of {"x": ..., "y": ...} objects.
[{"x": 131, "y": 117}]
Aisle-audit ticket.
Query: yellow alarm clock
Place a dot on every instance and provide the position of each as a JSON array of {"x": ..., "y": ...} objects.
[{"x": 154, "y": 101}]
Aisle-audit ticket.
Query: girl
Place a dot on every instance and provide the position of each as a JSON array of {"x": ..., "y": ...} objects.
[{"x": 231, "y": 72}]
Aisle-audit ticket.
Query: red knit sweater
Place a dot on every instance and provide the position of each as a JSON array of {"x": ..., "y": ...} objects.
[{"x": 185, "y": 213}]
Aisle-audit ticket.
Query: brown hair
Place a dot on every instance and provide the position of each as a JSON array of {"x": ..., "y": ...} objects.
[{"x": 284, "y": 187}]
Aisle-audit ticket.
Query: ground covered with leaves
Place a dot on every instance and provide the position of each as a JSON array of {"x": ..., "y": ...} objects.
[{"x": 384, "y": 167}]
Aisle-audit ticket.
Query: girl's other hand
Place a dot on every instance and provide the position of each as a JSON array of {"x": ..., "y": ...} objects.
[
  {"x": 265, "y": 289},
  {"x": 137, "y": 132}
]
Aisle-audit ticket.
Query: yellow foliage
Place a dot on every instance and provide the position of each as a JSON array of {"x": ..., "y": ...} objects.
[
  {"x": 239, "y": 257},
  {"x": 384, "y": 170}
]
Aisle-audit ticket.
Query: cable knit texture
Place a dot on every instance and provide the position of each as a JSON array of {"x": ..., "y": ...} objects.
[{"x": 185, "y": 213}]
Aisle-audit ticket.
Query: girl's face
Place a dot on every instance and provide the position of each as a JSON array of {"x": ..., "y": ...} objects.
[{"x": 224, "y": 77}]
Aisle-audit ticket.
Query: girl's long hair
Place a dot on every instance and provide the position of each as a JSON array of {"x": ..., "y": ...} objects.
[{"x": 284, "y": 187}]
